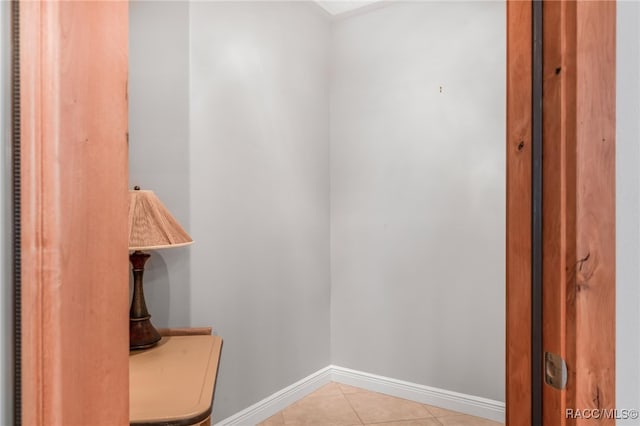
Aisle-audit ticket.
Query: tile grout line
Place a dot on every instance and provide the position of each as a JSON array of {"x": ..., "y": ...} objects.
[
  {"x": 405, "y": 420},
  {"x": 349, "y": 402},
  {"x": 390, "y": 421},
  {"x": 345, "y": 396}
]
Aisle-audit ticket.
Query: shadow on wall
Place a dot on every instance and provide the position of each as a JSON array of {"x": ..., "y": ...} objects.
[
  {"x": 167, "y": 279},
  {"x": 159, "y": 144}
]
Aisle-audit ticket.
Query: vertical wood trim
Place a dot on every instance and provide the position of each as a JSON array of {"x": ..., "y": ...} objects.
[
  {"x": 74, "y": 213},
  {"x": 518, "y": 244},
  {"x": 31, "y": 221},
  {"x": 559, "y": 189},
  {"x": 579, "y": 205},
  {"x": 593, "y": 264}
]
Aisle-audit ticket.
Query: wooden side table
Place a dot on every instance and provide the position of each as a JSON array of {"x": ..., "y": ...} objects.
[{"x": 173, "y": 383}]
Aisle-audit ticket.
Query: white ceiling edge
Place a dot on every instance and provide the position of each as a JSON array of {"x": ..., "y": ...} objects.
[{"x": 338, "y": 7}]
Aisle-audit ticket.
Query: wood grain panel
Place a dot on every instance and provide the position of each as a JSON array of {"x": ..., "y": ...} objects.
[
  {"x": 74, "y": 174},
  {"x": 579, "y": 205},
  {"x": 518, "y": 244},
  {"x": 558, "y": 217},
  {"x": 593, "y": 265},
  {"x": 31, "y": 214}
]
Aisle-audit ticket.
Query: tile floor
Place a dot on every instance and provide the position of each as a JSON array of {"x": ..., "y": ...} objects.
[{"x": 342, "y": 405}]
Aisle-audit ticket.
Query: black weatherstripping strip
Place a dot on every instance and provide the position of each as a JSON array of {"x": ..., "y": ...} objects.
[
  {"x": 16, "y": 208},
  {"x": 536, "y": 217}
]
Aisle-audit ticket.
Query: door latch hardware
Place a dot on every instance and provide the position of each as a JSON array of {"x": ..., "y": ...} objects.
[{"x": 555, "y": 370}]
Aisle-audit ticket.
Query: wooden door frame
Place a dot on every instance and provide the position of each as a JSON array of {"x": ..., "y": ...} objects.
[
  {"x": 518, "y": 215},
  {"x": 586, "y": 214},
  {"x": 72, "y": 223},
  {"x": 578, "y": 208}
]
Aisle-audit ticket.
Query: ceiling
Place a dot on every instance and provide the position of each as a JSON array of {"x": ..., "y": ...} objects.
[{"x": 337, "y": 7}]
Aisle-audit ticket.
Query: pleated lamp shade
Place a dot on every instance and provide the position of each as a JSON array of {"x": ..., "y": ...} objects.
[{"x": 151, "y": 225}]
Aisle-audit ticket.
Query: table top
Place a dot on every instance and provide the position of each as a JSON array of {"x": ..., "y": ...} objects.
[{"x": 174, "y": 381}]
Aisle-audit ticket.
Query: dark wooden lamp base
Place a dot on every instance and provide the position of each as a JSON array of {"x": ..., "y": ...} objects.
[{"x": 142, "y": 334}]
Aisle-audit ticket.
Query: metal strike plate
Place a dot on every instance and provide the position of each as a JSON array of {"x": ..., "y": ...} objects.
[{"x": 555, "y": 370}]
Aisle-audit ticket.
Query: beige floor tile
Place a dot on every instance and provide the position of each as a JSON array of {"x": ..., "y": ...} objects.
[
  {"x": 377, "y": 408},
  {"x": 441, "y": 412},
  {"x": 466, "y": 421},
  {"x": 330, "y": 389},
  {"x": 418, "y": 422},
  {"x": 335, "y": 404},
  {"x": 275, "y": 420},
  {"x": 350, "y": 389},
  {"x": 328, "y": 410}
]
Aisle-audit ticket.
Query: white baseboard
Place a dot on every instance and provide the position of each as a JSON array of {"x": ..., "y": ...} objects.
[
  {"x": 463, "y": 403},
  {"x": 467, "y": 404},
  {"x": 269, "y": 406}
]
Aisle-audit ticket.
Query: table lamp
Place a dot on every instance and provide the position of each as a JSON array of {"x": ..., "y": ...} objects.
[{"x": 151, "y": 227}]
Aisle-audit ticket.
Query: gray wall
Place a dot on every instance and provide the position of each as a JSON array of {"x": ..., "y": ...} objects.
[
  {"x": 628, "y": 208},
  {"x": 418, "y": 194},
  {"x": 259, "y": 191},
  {"x": 159, "y": 142},
  {"x": 235, "y": 143},
  {"x": 6, "y": 295},
  {"x": 254, "y": 154}
]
